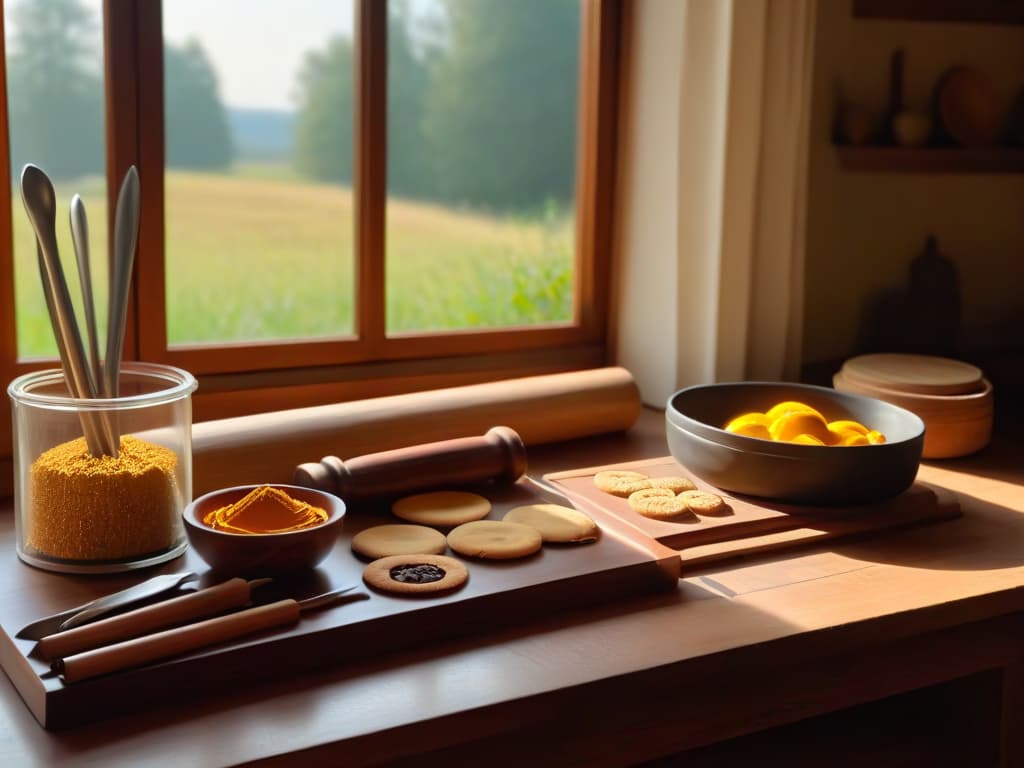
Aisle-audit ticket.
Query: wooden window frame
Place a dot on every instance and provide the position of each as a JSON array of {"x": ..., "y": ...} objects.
[{"x": 237, "y": 379}]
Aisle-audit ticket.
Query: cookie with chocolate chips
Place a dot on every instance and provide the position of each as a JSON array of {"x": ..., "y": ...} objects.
[{"x": 416, "y": 574}]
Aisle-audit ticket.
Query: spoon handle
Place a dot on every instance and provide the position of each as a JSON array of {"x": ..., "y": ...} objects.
[
  {"x": 94, "y": 369},
  {"x": 40, "y": 204},
  {"x": 80, "y": 237},
  {"x": 126, "y": 231},
  {"x": 69, "y": 347}
]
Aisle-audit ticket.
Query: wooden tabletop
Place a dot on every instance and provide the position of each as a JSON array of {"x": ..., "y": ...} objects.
[{"x": 734, "y": 650}]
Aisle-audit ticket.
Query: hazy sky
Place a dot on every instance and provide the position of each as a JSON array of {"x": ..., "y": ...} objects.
[{"x": 257, "y": 46}]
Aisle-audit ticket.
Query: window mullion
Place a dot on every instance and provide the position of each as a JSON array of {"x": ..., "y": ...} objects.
[
  {"x": 122, "y": 51},
  {"x": 598, "y": 118},
  {"x": 8, "y": 331},
  {"x": 370, "y": 178}
]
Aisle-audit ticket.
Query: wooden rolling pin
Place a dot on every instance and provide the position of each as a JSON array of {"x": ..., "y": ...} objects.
[
  {"x": 498, "y": 455},
  {"x": 266, "y": 448}
]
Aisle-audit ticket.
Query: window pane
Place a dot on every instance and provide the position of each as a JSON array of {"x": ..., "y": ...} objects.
[
  {"x": 482, "y": 125},
  {"x": 258, "y": 117},
  {"x": 55, "y": 108}
]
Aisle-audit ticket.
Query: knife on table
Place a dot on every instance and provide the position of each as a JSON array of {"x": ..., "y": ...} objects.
[
  {"x": 173, "y": 642},
  {"x": 102, "y": 605},
  {"x": 233, "y": 593}
]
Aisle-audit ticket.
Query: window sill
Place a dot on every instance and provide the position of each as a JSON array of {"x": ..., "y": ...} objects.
[{"x": 265, "y": 432}]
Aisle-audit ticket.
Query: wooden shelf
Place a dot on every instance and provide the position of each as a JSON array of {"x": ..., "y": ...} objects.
[
  {"x": 957, "y": 11},
  {"x": 932, "y": 159}
]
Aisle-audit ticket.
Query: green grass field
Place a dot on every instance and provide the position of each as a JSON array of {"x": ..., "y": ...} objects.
[{"x": 261, "y": 255}]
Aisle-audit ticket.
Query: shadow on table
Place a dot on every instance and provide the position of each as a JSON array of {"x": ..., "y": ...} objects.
[{"x": 345, "y": 697}]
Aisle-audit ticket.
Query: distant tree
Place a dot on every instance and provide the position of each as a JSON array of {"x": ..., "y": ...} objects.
[
  {"x": 55, "y": 90},
  {"x": 481, "y": 108},
  {"x": 323, "y": 124},
  {"x": 500, "y": 118},
  {"x": 324, "y": 131},
  {"x": 409, "y": 171},
  {"x": 198, "y": 135}
]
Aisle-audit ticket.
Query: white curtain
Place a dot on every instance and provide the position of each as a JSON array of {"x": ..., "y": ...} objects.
[{"x": 712, "y": 191}]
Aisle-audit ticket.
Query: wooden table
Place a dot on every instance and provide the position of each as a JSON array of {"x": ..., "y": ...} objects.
[{"x": 902, "y": 648}]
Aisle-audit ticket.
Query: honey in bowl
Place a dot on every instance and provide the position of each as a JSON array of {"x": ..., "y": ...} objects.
[
  {"x": 792, "y": 421},
  {"x": 265, "y": 510}
]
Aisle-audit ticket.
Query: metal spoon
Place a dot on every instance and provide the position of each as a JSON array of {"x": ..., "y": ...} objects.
[
  {"x": 41, "y": 205},
  {"x": 126, "y": 232},
  {"x": 80, "y": 237}
]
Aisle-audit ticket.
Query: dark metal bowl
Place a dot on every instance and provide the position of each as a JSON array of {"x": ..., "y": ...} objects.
[
  {"x": 807, "y": 474},
  {"x": 262, "y": 553}
]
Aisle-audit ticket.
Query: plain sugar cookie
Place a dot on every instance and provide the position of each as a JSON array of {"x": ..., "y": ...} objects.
[
  {"x": 556, "y": 523},
  {"x": 676, "y": 484},
  {"x": 495, "y": 540},
  {"x": 416, "y": 574},
  {"x": 703, "y": 502},
  {"x": 387, "y": 540},
  {"x": 444, "y": 509},
  {"x": 658, "y": 503},
  {"x": 621, "y": 482}
]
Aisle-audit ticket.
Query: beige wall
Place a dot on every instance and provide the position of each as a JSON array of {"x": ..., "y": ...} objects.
[{"x": 864, "y": 228}]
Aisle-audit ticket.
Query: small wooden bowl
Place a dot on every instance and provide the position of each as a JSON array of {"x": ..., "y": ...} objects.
[
  {"x": 956, "y": 425},
  {"x": 262, "y": 553}
]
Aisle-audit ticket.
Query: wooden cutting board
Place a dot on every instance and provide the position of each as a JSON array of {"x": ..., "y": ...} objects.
[
  {"x": 752, "y": 526},
  {"x": 622, "y": 563}
]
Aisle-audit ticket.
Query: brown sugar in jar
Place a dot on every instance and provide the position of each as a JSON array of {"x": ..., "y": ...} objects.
[{"x": 84, "y": 507}]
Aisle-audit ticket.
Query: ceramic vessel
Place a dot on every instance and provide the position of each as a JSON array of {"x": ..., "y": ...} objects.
[
  {"x": 805, "y": 474},
  {"x": 263, "y": 553}
]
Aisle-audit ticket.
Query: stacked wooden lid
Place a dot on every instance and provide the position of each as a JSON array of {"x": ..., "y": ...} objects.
[{"x": 953, "y": 398}]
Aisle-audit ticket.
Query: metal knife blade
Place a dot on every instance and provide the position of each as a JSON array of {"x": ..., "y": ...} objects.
[
  {"x": 157, "y": 585},
  {"x": 331, "y": 598},
  {"x": 548, "y": 492}
]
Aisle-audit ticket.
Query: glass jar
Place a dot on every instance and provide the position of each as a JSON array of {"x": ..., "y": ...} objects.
[{"x": 80, "y": 509}]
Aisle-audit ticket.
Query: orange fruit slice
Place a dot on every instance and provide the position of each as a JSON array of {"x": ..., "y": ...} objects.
[
  {"x": 853, "y": 438},
  {"x": 791, "y": 406},
  {"x": 788, "y": 426},
  {"x": 751, "y": 425},
  {"x": 795, "y": 422},
  {"x": 846, "y": 425},
  {"x": 805, "y": 439}
]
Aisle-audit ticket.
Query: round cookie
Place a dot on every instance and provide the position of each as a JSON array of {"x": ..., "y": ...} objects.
[
  {"x": 387, "y": 540},
  {"x": 676, "y": 484},
  {"x": 444, "y": 509},
  {"x": 556, "y": 523},
  {"x": 703, "y": 502},
  {"x": 495, "y": 540},
  {"x": 621, "y": 482},
  {"x": 657, "y": 503},
  {"x": 416, "y": 574}
]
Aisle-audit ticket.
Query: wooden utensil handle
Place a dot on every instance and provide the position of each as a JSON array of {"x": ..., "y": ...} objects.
[
  {"x": 498, "y": 455},
  {"x": 142, "y": 621},
  {"x": 173, "y": 642}
]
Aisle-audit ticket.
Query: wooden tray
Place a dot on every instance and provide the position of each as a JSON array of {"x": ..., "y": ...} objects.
[
  {"x": 623, "y": 562},
  {"x": 752, "y": 526}
]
